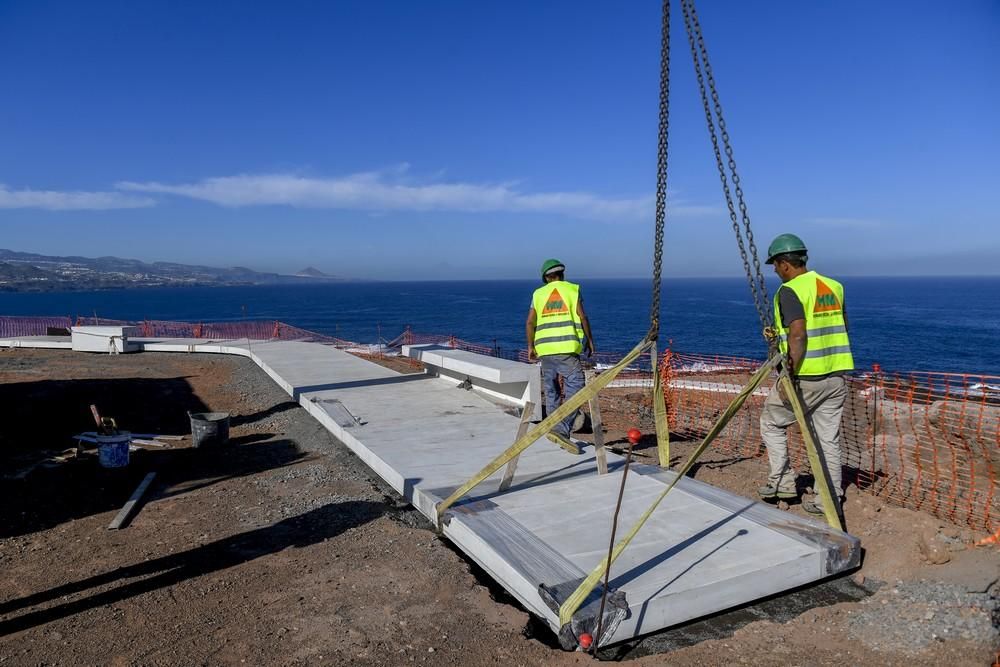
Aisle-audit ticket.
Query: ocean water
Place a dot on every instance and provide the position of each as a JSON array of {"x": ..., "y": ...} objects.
[{"x": 937, "y": 324}]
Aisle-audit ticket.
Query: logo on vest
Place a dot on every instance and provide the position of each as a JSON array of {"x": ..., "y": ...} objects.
[
  {"x": 555, "y": 305},
  {"x": 826, "y": 300}
]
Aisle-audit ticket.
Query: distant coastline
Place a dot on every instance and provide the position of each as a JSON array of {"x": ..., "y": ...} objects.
[
  {"x": 28, "y": 272},
  {"x": 928, "y": 324}
]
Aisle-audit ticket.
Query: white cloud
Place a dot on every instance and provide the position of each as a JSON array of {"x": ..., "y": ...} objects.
[
  {"x": 390, "y": 190},
  {"x": 54, "y": 200}
]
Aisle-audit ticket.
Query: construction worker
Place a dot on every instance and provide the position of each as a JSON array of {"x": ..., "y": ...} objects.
[
  {"x": 811, "y": 326},
  {"x": 558, "y": 331}
]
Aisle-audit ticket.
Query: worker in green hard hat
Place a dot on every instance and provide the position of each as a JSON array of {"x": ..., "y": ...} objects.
[
  {"x": 810, "y": 324},
  {"x": 558, "y": 330}
]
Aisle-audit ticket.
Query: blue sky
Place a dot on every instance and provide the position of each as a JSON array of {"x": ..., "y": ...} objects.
[{"x": 471, "y": 140}]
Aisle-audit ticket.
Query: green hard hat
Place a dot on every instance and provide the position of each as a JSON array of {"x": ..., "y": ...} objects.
[
  {"x": 550, "y": 266},
  {"x": 783, "y": 243}
]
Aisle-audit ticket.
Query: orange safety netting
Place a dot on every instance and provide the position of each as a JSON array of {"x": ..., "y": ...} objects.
[{"x": 928, "y": 441}]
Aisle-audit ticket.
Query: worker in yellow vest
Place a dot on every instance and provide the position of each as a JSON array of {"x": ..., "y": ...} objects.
[
  {"x": 810, "y": 320},
  {"x": 558, "y": 331}
]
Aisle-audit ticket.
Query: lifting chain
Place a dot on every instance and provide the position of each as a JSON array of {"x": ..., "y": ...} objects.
[
  {"x": 654, "y": 314},
  {"x": 699, "y": 54},
  {"x": 661, "y": 170},
  {"x": 755, "y": 277}
]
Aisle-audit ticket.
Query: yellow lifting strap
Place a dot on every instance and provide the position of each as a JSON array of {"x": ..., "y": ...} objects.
[
  {"x": 574, "y": 601},
  {"x": 543, "y": 427},
  {"x": 660, "y": 414}
]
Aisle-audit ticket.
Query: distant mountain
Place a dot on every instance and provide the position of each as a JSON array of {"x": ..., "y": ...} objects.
[
  {"x": 29, "y": 272},
  {"x": 310, "y": 272}
]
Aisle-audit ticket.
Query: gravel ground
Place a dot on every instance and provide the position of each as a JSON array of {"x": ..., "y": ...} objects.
[{"x": 908, "y": 617}]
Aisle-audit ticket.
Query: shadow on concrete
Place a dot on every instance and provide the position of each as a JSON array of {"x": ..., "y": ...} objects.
[
  {"x": 623, "y": 578},
  {"x": 669, "y": 553},
  {"x": 354, "y": 384},
  {"x": 642, "y": 614},
  {"x": 299, "y": 531},
  {"x": 580, "y": 468}
]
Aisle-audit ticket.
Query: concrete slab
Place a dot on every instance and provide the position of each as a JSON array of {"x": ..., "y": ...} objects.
[
  {"x": 510, "y": 382},
  {"x": 104, "y": 339},
  {"x": 703, "y": 551},
  {"x": 39, "y": 342}
]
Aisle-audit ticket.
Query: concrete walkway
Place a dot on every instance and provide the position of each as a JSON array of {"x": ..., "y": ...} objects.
[{"x": 704, "y": 550}]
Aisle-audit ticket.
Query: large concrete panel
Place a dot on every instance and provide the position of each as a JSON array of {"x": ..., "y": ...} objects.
[
  {"x": 704, "y": 550},
  {"x": 510, "y": 382}
]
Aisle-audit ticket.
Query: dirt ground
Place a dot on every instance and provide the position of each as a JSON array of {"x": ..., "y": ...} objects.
[{"x": 283, "y": 548}]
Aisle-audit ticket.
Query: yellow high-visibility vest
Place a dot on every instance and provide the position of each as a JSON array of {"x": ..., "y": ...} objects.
[
  {"x": 828, "y": 349},
  {"x": 557, "y": 324}
]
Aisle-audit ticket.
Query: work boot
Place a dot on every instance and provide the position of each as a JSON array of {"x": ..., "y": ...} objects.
[
  {"x": 815, "y": 506},
  {"x": 564, "y": 442},
  {"x": 772, "y": 492}
]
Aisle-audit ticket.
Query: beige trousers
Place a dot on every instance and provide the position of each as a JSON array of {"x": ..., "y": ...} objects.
[{"x": 824, "y": 405}]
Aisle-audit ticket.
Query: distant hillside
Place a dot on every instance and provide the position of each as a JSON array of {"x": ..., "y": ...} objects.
[
  {"x": 310, "y": 272},
  {"x": 28, "y": 272}
]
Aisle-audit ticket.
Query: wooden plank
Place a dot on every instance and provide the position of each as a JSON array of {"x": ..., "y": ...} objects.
[
  {"x": 151, "y": 443},
  {"x": 598, "y": 427},
  {"x": 508, "y": 473},
  {"x": 126, "y": 511},
  {"x": 97, "y": 418}
]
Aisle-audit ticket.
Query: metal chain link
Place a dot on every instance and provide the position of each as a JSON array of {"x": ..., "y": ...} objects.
[
  {"x": 756, "y": 287},
  {"x": 661, "y": 170},
  {"x": 654, "y": 314},
  {"x": 699, "y": 54},
  {"x": 727, "y": 146}
]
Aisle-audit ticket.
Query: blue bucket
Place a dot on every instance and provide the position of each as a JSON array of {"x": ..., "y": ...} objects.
[{"x": 112, "y": 450}]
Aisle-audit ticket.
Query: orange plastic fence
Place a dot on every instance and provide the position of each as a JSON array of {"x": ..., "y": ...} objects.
[
  {"x": 11, "y": 327},
  {"x": 928, "y": 441}
]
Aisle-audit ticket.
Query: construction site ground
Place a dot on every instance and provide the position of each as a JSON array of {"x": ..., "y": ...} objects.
[{"x": 283, "y": 548}]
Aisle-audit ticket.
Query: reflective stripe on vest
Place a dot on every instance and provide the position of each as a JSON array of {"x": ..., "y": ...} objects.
[
  {"x": 822, "y": 331},
  {"x": 557, "y": 324},
  {"x": 828, "y": 348}
]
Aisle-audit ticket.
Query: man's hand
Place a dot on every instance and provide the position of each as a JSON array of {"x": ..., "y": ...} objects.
[
  {"x": 590, "y": 348},
  {"x": 532, "y": 355}
]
